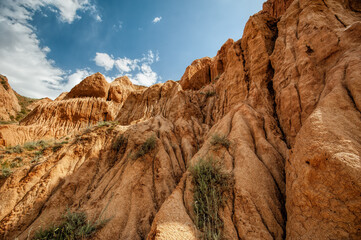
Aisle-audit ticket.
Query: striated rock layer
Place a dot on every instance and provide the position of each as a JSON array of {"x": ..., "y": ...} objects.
[
  {"x": 9, "y": 105},
  {"x": 286, "y": 96}
]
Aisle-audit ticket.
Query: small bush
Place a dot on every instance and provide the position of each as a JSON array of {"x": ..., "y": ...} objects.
[
  {"x": 30, "y": 146},
  {"x": 104, "y": 123},
  {"x": 5, "y": 170},
  {"x": 38, "y": 154},
  {"x": 17, "y": 162},
  {"x": 210, "y": 185},
  {"x": 120, "y": 142},
  {"x": 146, "y": 147},
  {"x": 73, "y": 227},
  {"x": 220, "y": 141},
  {"x": 57, "y": 147},
  {"x": 17, "y": 149}
]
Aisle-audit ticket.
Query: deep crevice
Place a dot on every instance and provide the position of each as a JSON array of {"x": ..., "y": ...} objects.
[{"x": 338, "y": 19}]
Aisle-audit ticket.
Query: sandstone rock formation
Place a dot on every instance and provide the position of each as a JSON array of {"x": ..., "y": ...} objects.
[
  {"x": 93, "y": 86},
  {"x": 39, "y": 102},
  {"x": 287, "y": 98},
  {"x": 9, "y": 105}
]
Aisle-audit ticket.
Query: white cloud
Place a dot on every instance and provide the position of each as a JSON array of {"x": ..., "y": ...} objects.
[
  {"x": 75, "y": 78},
  {"x": 146, "y": 76},
  {"x": 22, "y": 59},
  {"x": 104, "y": 60},
  {"x": 98, "y": 18},
  {"x": 139, "y": 70},
  {"x": 157, "y": 19}
]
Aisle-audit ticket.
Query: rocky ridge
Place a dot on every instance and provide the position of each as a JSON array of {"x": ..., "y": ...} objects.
[{"x": 287, "y": 98}]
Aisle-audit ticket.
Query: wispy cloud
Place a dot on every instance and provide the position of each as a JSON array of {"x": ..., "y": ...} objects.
[
  {"x": 138, "y": 70},
  {"x": 118, "y": 26},
  {"x": 157, "y": 19},
  {"x": 22, "y": 58}
]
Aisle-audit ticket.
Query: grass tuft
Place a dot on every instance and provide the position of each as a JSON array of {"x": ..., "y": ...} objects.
[
  {"x": 73, "y": 227},
  {"x": 120, "y": 143},
  {"x": 146, "y": 147},
  {"x": 211, "y": 184},
  {"x": 220, "y": 140}
]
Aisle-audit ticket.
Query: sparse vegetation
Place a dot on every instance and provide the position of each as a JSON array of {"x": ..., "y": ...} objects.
[
  {"x": 119, "y": 143},
  {"x": 17, "y": 162},
  {"x": 5, "y": 170},
  {"x": 16, "y": 149},
  {"x": 57, "y": 147},
  {"x": 3, "y": 82},
  {"x": 146, "y": 147},
  {"x": 75, "y": 226},
  {"x": 211, "y": 184},
  {"x": 220, "y": 140},
  {"x": 209, "y": 93},
  {"x": 6, "y": 122},
  {"x": 106, "y": 123},
  {"x": 24, "y": 102}
]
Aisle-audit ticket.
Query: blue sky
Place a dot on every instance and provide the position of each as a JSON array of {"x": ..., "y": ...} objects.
[{"x": 48, "y": 46}]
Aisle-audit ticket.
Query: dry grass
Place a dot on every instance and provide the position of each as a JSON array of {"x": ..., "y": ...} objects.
[{"x": 211, "y": 184}]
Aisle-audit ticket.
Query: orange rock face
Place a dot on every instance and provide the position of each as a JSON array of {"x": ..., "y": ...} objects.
[
  {"x": 92, "y": 86},
  {"x": 286, "y": 97},
  {"x": 9, "y": 105}
]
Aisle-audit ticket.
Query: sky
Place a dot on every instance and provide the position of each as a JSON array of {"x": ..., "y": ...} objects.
[{"x": 49, "y": 46}]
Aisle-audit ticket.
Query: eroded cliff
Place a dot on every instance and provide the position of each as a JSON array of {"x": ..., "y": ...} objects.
[{"x": 286, "y": 97}]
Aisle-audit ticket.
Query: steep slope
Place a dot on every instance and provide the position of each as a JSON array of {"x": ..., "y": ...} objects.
[
  {"x": 9, "y": 103},
  {"x": 285, "y": 98}
]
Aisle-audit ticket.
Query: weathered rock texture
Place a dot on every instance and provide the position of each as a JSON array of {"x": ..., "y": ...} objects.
[
  {"x": 9, "y": 105},
  {"x": 93, "y": 86},
  {"x": 287, "y": 96}
]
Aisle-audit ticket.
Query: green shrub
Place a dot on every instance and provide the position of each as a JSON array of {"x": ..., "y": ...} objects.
[
  {"x": 17, "y": 162},
  {"x": 104, "y": 123},
  {"x": 17, "y": 149},
  {"x": 146, "y": 147},
  {"x": 73, "y": 227},
  {"x": 30, "y": 146},
  {"x": 211, "y": 184},
  {"x": 57, "y": 147},
  {"x": 220, "y": 141},
  {"x": 120, "y": 142},
  {"x": 5, "y": 170}
]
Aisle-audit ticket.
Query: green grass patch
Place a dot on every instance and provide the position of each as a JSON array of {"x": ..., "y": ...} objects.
[
  {"x": 24, "y": 102},
  {"x": 74, "y": 226},
  {"x": 5, "y": 170},
  {"x": 211, "y": 184},
  {"x": 220, "y": 140},
  {"x": 16, "y": 149},
  {"x": 146, "y": 147}
]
